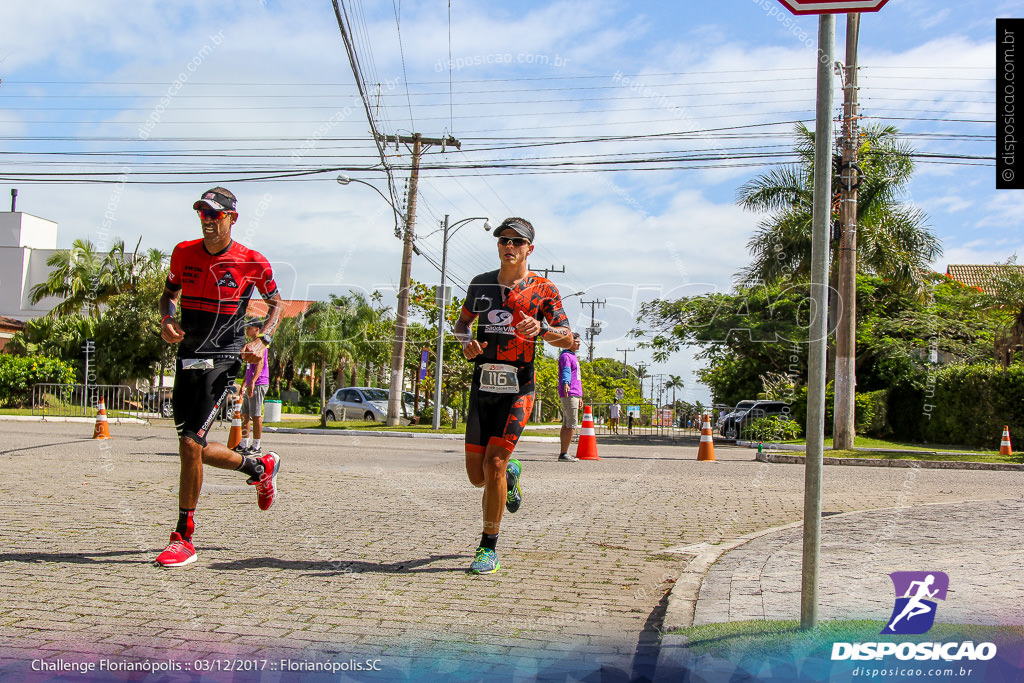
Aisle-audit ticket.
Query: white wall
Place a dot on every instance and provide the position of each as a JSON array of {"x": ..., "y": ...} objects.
[{"x": 26, "y": 241}]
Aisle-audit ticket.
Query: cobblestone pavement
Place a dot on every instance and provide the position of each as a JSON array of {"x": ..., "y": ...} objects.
[
  {"x": 366, "y": 550},
  {"x": 976, "y": 543}
]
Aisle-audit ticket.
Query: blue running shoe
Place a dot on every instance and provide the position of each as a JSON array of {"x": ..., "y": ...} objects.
[
  {"x": 515, "y": 492},
  {"x": 486, "y": 562}
]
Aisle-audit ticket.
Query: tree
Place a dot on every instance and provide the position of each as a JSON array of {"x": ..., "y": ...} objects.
[
  {"x": 893, "y": 240},
  {"x": 321, "y": 342},
  {"x": 86, "y": 278},
  {"x": 757, "y": 333},
  {"x": 1008, "y": 283}
]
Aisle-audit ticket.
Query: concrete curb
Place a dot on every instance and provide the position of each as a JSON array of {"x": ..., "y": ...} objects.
[
  {"x": 802, "y": 448},
  {"x": 779, "y": 458}
]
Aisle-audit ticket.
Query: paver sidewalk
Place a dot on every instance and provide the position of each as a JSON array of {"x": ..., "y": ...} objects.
[{"x": 365, "y": 553}]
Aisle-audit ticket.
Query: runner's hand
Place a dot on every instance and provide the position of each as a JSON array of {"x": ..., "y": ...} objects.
[
  {"x": 473, "y": 349},
  {"x": 171, "y": 331},
  {"x": 528, "y": 327}
]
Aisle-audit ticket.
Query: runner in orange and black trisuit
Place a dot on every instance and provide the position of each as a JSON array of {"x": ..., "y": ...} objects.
[{"x": 515, "y": 306}]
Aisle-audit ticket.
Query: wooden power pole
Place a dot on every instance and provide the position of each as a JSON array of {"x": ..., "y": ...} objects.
[
  {"x": 843, "y": 429},
  {"x": 395, "y": 402}
]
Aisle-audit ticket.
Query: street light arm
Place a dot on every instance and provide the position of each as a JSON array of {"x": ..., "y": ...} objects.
[{"x": 345, "y": 180}]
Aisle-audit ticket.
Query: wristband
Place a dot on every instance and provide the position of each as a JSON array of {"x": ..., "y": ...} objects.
[{"x": 164, "y": 319}]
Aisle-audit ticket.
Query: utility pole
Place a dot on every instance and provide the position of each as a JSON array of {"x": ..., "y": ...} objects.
[
  {"x": 843, "y": 429},
  {"x": 594, "y": 328},
  {"x": 552, "y": 269},
  {"x": 624, "y": 366},
  {"x": 402, "y": 314},
  {"x": 817, "y": 336}
]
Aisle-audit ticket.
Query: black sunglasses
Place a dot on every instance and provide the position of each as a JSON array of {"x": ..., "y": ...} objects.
[{"x": 514, "y": 241}]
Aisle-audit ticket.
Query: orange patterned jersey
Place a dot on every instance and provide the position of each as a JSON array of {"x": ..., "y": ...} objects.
[{"x": 500, "y": 308}]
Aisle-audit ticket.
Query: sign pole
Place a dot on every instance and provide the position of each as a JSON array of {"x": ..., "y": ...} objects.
[{"x": 818, "y": 331}]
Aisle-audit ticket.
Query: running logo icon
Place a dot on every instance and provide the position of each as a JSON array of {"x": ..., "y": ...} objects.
[{"x": 916, "y": 592}]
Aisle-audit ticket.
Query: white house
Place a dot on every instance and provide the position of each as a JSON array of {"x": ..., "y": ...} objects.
[{"x": 26, "y": 241}]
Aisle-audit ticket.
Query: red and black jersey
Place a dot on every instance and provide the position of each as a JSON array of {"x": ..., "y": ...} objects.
[
  {"x": 215, "y": 292},
  {"x": 500, "y": 308}
]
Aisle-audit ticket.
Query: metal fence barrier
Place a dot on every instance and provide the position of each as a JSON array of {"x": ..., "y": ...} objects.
[
  {"x": 648, "y": 420},
  {"x": 80, "y": 400}
]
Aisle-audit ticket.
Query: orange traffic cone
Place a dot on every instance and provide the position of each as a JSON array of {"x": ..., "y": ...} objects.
[
  {"x": 235, "y": 434},
  {"x": 102, "y": 429},
  {"x": 586, "y": 449},
  {"x": 1004, "y": 445},
  {"x": 706, "y": 450}
]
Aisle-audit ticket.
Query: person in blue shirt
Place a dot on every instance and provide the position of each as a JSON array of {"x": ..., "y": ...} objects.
[{"x": 570, "y": 391}]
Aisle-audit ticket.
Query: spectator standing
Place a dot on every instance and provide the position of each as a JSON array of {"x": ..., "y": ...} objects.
[
  {"x": 614, "y": 413},
  {"x": 570, "y": 391},
  {"x": 254, "y": 391}
]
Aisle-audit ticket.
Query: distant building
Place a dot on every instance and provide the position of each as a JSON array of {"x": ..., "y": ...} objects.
[
  {"x": 26, "y": 242},
  {"x": 981, "y": 277},
  {"x": 292, "y": 307},
  {"x": 8, "y": 326}
]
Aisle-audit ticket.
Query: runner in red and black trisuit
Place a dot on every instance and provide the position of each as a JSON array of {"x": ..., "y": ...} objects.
[
  {"x": 514, "y": 306},
  {"x": 213, "y": 278}
]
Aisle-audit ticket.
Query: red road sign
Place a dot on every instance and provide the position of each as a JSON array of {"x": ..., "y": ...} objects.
[{"x": 832, "y": 6}]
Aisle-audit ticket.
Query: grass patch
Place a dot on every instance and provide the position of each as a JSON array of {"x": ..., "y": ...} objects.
[
  {"x": 925, "y": 455},
  {"x": 869, "y": 442},
  {"x": 756, "y": 640}
]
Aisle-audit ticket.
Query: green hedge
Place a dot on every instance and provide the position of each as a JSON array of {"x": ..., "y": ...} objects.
[
  {"x": 19, "y": 373},
  {"x": 871, "y": 411},
  {"x": 964, "y": 405},
  {"x": 772, "y": 428}
]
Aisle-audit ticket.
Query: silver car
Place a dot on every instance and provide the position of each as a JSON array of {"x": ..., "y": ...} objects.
[{"x": 360, "y": 403}]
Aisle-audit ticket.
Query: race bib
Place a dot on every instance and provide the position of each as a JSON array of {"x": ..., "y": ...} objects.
[
  {"x": 197, "y": 364},
  {"x": 498, "y": 378}
]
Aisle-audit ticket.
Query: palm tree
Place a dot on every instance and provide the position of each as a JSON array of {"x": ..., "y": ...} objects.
[
  {"x": 1007, "y": 283},
  {"x": 321, "y": 341},
  {"x": 86, "y": 278},
  {"x": 893, "y": 239},
  {"x": 77, "y": 276},
  {"x": 674, "y": 382}
]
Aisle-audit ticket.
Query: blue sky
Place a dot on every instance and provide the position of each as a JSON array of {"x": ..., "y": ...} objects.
[{"x": 270, "y": 80}]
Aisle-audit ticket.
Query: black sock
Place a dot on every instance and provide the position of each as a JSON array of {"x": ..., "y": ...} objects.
[
  {"x": 489, "y": 541},
  {"x": 510, "y": 481},
  {"x": 251, "y": 466},
  {"x": 186, "y": 525}
]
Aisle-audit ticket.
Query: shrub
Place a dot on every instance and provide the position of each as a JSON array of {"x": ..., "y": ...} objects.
[
  {"x": 19, "y": 373},
  {"x": 300, "y": 385},
  {"x": 771, "y": 428},
  {"x": 871, "y": 411},
  {"x": 427, "y": 416}
]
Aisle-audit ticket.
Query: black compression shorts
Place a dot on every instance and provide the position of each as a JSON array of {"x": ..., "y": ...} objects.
[
  {"x": 498, "y": 418},
  {"x": 198, "y": 395}
]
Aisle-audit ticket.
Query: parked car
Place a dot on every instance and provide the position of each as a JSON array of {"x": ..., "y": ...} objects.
[
  {"x": 741, "y": 407},
  {"x": 157, "y": 401},
  {"x": 361, "y": 403},
  {"x": 732, "y": 425}
]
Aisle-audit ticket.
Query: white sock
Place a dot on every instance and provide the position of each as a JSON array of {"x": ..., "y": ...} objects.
[
  {"x": 245, "y": 442},
  {"x": 256, "y": 443}
]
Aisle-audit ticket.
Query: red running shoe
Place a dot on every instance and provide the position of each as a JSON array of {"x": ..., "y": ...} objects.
[
  {"x": 178, "y": 552},
  {"x": 266, "y": 485}
]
